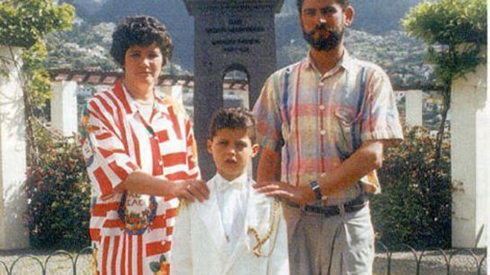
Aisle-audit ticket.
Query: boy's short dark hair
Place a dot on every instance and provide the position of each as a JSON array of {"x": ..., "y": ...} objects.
[
  {"x": 143, "y": 31},
  {"x": 232, "y": 118}
]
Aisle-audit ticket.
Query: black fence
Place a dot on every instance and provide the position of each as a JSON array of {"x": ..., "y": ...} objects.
[
  {"x": 433, "y": 261},
  {"x": 410, "y": 261}
]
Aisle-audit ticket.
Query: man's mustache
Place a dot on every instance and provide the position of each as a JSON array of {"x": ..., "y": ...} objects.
[{"x": 321, "y": 27}]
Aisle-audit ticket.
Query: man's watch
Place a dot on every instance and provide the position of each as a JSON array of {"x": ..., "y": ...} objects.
[{"x": 316, "y": 189}]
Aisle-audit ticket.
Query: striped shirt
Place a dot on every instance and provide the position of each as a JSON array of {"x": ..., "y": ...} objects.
[
  {"x": 118, "y": 140},
  {"x": 318, "y": 121}
]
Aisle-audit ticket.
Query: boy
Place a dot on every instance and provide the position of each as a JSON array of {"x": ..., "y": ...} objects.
[{"x": 237, "y": 231}]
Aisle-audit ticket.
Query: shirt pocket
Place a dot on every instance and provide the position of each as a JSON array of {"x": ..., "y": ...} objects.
[{"x": 348, "y": 121}]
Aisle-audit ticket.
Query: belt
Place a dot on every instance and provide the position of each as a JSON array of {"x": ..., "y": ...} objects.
[{"x": 334, "y": 210}]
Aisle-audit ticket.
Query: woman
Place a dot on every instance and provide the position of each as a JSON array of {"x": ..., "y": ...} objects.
[{"x": 141, "y": 156}]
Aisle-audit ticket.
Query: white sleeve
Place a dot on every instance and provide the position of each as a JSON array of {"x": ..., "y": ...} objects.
[
  {"x": 279, "y": 259},
  {"x": 181, "y": 251}
]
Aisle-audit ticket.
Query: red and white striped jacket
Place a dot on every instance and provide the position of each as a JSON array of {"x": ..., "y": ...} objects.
[{"x": 118, "y": 141}]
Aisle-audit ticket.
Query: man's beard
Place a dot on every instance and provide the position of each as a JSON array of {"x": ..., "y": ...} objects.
[{"x": 323, "y": 43}]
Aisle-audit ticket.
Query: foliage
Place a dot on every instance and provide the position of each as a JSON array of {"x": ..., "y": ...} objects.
[
  {"x": 24, "y": 22},
  {"x": 58, "y": 192},
  {"x": 56, "y": 184},
  {"x": 456, "y": 33},
  {"x": 414, "y": 207},
  {"x": 38, "y": 81}
]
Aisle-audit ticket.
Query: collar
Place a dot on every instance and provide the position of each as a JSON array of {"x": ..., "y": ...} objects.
[
  {"x": 131, "y": 105},
  {"x": 238, "y": 183},
  {"x": 345, "y": 62}
]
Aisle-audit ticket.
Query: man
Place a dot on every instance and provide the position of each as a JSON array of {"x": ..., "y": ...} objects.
[{"x": 323, "y": 124}]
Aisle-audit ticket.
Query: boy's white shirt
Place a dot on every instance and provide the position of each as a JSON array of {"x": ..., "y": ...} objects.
[
  {"x": 200, "y": 245},
  {"x": 232, "y": 202}
]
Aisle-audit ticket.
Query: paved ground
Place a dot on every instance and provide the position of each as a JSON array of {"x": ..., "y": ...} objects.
[{"x": 462, "y": 262}]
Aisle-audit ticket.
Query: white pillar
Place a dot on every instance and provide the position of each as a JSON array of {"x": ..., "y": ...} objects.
[
  {"x": 64, "y": 115},
  {"x": 13, "y": 203},
  {"x": 470, "y": 159},
  {"x": 177, "y": 93},
  {"x": 414, "y": 107}
]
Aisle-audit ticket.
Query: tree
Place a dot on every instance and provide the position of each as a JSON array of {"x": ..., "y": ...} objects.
[
  {"x": 25, "y": 23},
  {"x": 456, "y": 34},
  {"x": 57, "y": 185}
]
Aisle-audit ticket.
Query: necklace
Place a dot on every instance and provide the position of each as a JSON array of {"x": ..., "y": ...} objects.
[{"x": 257, "y": 249}]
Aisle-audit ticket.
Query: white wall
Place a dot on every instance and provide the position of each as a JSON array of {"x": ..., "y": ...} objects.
[
  {"x": 13, "y": 228},
  {"x": 470, "y": 159},
  {"x": 414, "y": 107}
]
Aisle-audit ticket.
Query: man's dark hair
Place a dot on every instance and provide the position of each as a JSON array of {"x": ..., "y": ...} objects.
[
  {"x": 232, "y": 118},
  {"x": 343, "y": 3},
  {"x": 140, "y": 31}
]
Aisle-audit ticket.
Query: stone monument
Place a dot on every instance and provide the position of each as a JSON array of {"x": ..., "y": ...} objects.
[{"x": 230, "y": 35}]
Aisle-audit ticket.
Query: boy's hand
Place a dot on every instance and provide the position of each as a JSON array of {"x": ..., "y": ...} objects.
[
  {"x": 191, "y": 190},
  {"x": 301, "y": 195}
]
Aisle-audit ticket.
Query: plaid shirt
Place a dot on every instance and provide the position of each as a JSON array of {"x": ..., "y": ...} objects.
[
  {"x": 117, "y": 142},
  {"x": 318, "y": 121}
]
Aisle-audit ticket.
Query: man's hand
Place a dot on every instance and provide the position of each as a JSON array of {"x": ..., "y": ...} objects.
[
  {"x": 190, "y": 190},
  {"x": 301, "y": 195}
]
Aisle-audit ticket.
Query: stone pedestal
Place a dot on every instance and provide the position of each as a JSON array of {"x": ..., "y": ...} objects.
[
  {"x": 64, "y": 108},
  {"x": 13, "y": 225},
  {"x": 414, "y": 107},
  {"x": 232, "y": 35},
  {"x": 470, "y": 159}
]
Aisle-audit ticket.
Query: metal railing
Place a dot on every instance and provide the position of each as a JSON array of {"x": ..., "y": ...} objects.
[
  {"x": 434, "y": 261},
  {"x": 421, "y": 262},
  {"x": 57, "y": 262}
]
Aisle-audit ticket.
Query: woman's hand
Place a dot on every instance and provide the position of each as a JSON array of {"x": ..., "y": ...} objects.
[
  {"x": 143, "y": 183},
  {"x": 190, "y": 190}
]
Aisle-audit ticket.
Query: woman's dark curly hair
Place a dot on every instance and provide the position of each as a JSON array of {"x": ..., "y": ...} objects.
[{"x": 140, "y": 31}]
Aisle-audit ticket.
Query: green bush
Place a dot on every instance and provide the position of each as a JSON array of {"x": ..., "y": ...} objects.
[
  {"x": 414, "y": 207},
  {"x": 58, "y": 193}
]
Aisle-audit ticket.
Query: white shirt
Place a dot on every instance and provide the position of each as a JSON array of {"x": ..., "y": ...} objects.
[
  {"x": 232, "y": 197},
  {"x": 145, "y": 110}
]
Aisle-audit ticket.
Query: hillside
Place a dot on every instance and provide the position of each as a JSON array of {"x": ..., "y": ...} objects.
[
  {"x": 373, "y": 16},
  {"x": 374, "y": 36}
]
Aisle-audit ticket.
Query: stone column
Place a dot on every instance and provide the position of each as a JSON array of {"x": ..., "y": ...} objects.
[
  {"x": 414, "y": 107},
  {"x": 470, "y": 159},
  {"x": 177, "y": 93},
  {"x": 13, "y": 203},
  {"x": 64, "y": 108}
]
